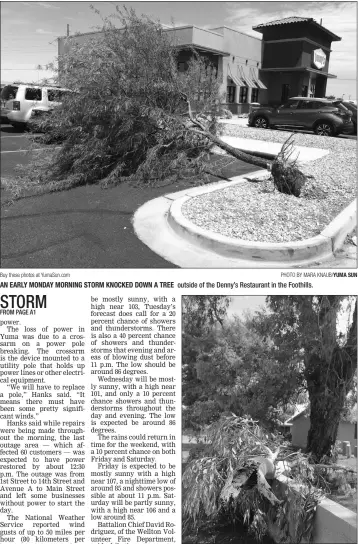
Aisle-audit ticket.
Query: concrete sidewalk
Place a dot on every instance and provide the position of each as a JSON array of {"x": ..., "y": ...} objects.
[
  {"x": 263, "y": 148},
  {"x": 240, "y": 121},
  {"x": 271, "y": 149}
]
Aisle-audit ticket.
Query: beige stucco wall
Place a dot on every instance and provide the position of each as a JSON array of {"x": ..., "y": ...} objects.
[
  {"x": 300, "y": 428},
  {"x": 346, "y": 432},
  {"x": 196, "y": 36},
  {"x": 333, "y": 523},
  {"x": 64, "y": 43},
  {"x": 179, "y": 36},
  {"x": 245, "y": 51},
  {"x": 242, "y": 48},
  {"x": 299, "y": 431}
]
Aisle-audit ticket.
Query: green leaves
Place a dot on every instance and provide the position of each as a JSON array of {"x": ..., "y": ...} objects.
[
  {"x": 125, "y": 120},
  {"x": 217, "y": 482}
]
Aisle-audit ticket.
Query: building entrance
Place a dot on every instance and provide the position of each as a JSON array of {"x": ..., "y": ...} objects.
[{"x": 285, "y": 92}]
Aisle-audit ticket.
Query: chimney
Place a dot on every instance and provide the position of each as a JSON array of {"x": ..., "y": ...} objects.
[
  {"x": 68, "y": 29},
  {"x": 320, "y": 22}
]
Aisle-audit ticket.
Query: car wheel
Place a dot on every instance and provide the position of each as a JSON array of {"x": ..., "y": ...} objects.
[
  {"x": 324, "y": 129},
  {"x": 261, "y": 122}
]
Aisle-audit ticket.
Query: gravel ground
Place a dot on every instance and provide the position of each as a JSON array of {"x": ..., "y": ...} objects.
[{"x": 257, "y": 212}]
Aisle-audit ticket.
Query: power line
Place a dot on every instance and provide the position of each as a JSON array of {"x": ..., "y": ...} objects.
[
  {"x": 24, "y": 69},
  {"x": 25, "y": 52},
  {"x": 27, "y": 46}
]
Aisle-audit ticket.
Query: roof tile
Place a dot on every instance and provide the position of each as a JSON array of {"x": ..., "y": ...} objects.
[{"x": 285, "y": 21}]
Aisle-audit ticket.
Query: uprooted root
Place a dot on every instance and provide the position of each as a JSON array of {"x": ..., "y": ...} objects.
[{"x": 287, "y": 178}]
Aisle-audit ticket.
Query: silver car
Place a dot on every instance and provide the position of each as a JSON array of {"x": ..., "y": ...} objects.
[{"x": 318, "y": 114}]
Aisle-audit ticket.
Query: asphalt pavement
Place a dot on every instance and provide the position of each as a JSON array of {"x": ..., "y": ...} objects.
[{"x": 86, "y": 227}]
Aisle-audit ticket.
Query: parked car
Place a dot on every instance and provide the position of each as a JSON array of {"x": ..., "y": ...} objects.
[
  {"x": 324, "y": 117},
  {"x": 351, "y": 107},
  {"x": 19, "y": 99}
]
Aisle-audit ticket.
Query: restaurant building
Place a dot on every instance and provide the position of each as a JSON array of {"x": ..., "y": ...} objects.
[{"x": 290, "y": 59}]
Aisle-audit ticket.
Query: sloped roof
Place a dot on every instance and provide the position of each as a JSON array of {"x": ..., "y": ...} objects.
[
  {"x": 350, "y": 418},
  {"x": 285, "y": 21},
  {"x": 305, "y": 413},
  {"x": 294, "y": 19}
]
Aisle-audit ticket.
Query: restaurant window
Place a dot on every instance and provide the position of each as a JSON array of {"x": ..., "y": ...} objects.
[
  {"x": 231, "y": 91},
  {"x": 255, "y": 94},
  {"x": 285, "y": 93},
  {"x": 243, "y": 95}
]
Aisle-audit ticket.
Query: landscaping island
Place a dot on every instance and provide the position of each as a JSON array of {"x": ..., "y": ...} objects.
[{"x": 256, "y": 212}]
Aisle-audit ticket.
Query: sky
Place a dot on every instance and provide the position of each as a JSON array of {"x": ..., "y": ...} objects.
[
  {"x": 241, "y": 304},
  {"x": 29, "y": 30}
]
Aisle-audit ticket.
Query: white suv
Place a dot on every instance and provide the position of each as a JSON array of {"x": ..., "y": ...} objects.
[{"x": 20, "y": 99}]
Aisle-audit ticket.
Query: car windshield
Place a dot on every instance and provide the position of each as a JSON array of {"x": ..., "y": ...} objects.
[
  {"x": 9, "y": 92},
  {"x": 340, "y": 105},
  {"x": 350, "y": 106}
]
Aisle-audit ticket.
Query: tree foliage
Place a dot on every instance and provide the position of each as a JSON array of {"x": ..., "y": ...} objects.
[
  {"x": 125, "y": 118},
  {"x": 232, "y": 480},
  {"x": 202, "y": 315},
  {"x": 307, "y": 343},
  {"x": 232, "y": 368},
  {"x": 131, "y": 115},
  {"x": 316, "y": 331}
]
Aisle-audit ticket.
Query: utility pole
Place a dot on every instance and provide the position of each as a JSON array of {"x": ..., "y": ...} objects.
[{"x": 68, "y": 30}]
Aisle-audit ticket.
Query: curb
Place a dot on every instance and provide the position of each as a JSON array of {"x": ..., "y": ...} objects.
[{"x": 321, "y": 246}]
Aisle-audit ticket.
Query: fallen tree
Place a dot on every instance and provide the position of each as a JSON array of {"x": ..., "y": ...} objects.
[
  {"x": 130, "y": 115},
  {"x": 229, "y": 481},
  {"x": 286, "y": 176}
]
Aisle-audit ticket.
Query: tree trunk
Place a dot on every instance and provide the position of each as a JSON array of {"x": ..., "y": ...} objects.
[
  {"x": 325, "y": 417},
  {"x": 328, "y": 382},
  {"x": 245, "y": 157}
]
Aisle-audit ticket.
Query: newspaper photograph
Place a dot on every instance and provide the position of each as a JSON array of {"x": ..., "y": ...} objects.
[
  {"x": 178, "y": 273},
  {"x": 224, "y": 136}
]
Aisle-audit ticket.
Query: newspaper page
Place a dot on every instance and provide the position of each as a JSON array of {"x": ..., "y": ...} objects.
[
  {"x": 178, "y": 276},
  {"x": 90, "y": 401}
]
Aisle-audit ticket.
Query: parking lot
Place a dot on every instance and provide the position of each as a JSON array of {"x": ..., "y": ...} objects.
[
  {"x": 86, "y": 227},
  {"x": 13, "y": 147}
]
